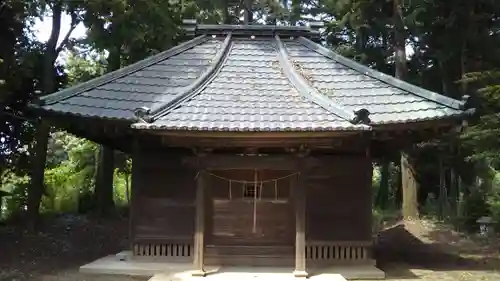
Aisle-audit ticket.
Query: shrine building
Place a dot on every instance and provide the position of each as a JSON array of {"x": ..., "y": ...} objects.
[{"x": 251, "y": 145}]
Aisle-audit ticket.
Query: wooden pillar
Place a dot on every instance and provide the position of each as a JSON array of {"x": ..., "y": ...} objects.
[
  {"x": 199, "y": 245},
  {"x": 300, "y": 222},
  {"x": 136, "y": 162}
]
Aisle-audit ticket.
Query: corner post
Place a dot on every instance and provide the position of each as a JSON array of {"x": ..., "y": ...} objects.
[
  {"x": 133, "y": 192},
  {"x": 300, "y": 218},
  {"x": 199, "y": 245}
]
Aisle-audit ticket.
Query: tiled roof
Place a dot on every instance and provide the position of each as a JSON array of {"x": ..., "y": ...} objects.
[
  {"x": 354, "y": 88},
  {"x": 147, "y": 85},
  {"x": 250, "y": 93},
  {"x": 263, "y": 83}
]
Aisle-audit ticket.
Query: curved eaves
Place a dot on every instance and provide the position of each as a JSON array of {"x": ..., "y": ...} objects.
[
  {"x": 435, "y": 97},
  {"x": 416, "y": 118},
  {"x": 111, "y": 76},
  {"x": 306, "y": 90},
  {"x": 198, "y": 85}
]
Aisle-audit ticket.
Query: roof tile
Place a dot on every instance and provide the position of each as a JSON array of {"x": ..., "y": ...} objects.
[
  {"x": 354, "y": 89},
  {"x": 240, "y": 98},
  {"x": 147, "y": 87},
  {"x": 207, "y": 86}
]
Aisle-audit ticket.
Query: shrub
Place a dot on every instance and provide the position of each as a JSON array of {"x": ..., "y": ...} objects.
[
  {"x": 17, "y": 186},
  {"x": 493, "y": 199}
]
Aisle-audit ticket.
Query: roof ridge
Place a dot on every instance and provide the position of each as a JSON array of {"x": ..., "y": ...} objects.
[
  {"x": 393, "y": 81},
  {"x": 113, "y": 75},
  {"x": 309, "y": 92},
  {"x": 150, "y": 115}
]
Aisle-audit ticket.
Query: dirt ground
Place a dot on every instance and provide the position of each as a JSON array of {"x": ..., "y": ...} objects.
[
  {"x": 63, "y": 244},
  {"x": 428, "y": 251},
  {"x": 419, "y": 250}
]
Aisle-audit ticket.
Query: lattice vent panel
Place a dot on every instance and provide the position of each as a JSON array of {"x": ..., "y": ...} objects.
[
  {"x": 336, "y": 252},
  {"x": 163, "y": 250}
]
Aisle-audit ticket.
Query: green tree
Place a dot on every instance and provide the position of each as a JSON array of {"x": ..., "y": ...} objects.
[
  {"x": 51, "y": 50},
  {"x": 483, "y": 137}
]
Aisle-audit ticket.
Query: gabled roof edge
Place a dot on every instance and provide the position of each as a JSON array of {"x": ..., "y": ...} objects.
[
  {"x": 444, "y": 100},
  {"x": 108, "y": 77},
  {"x": 198, "y": 85},
  {"x": 307, "y": 90}
]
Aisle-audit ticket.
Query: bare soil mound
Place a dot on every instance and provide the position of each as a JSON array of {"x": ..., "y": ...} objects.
[{"x": 432, "y": 245}]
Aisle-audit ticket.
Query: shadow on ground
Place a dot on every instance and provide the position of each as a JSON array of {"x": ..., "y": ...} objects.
[
  {"x": 436, "y": 250},
  {"x": 67, "y": 242},
  {"x": 63, "y": 243}
]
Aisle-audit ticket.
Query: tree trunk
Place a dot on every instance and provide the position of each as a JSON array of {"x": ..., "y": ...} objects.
[
  {"x": 248, "y": 13},
  {"x": 446, "y": 81},
  {"x": 399, "y": 41},
  {"x": 463, "y": 66},
  {"x": 103, "y": 192},
  {"x": 127, "y": 188},
  {"x": 409, "y": 188},
  {"x": 104, "y": 183},
  {"x": 409, "y": 184},
  {"x": 295, "y": 13},
  {"x": 1, "y": 197},
  {"x": 50, "y": 55},
  {"x": 442, "y": 189},
  {"x": 226, "y": 17},
  {"x": 454, "y": 179},
  {"x": 398, "y": 193},
  {"x": 36, "y": 188},
  {"x": 383, "y": 191}
]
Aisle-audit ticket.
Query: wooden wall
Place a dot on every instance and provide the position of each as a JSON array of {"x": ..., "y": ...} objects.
[
  {"x": 230, "y": 219},
  {"x": 230, "y": 234},
  {"x": 339, "y": 198},
  {"x": 338, "y": 210},
  {"x": 163, "y": 198}
]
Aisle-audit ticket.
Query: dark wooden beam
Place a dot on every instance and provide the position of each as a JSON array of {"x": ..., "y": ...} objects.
[
  {"x": 199, "y": 245},
  {"x": 257, "y": 135},
  {"x": 226, "y": 162},
  {"x": 422, "y": 125},
  {"x": 253, "y": 142},
  {"x": 288, "y": 162},
  {"x": 259, "y": 139}
]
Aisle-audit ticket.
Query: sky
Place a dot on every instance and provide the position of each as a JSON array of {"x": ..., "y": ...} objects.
[{"x": 44, "y": 27}]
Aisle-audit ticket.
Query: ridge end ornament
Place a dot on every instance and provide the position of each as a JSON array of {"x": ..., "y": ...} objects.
[{"x": 142, "y": 113}]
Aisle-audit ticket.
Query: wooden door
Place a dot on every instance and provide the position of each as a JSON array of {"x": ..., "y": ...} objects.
[{"x": 249, "y": 212}]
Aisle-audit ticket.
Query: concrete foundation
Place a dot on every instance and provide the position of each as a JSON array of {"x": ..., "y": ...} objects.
[
  {"x": 249, "y": 274},
  {"x": 122, "y": 263}
]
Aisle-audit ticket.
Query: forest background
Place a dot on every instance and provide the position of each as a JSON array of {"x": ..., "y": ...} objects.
[{"x": 448, "y": 46}]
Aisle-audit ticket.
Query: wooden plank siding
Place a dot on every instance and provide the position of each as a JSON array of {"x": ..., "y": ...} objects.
[
  {"x": 232, "y": 238},
  {"x": 339, "y": 195},
  {"x": 231, "y": 214},
  {"x": 163, "y": 209},
  {"x": 338, "y": 211}
]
